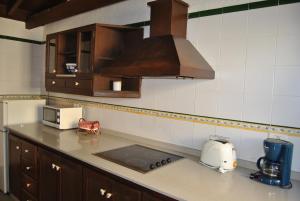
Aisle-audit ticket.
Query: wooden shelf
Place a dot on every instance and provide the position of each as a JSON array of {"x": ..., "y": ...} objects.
[{"x": 118, "y": 94}]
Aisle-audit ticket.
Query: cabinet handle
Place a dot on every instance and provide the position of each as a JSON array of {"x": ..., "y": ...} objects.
[
  {"x": 17, "y": 147},
  {"x": 109, "y": 195},
  {"x": 58, "y": 168},
  {"x": 102, "y": 191},
  {"x": 26, "y": 150},
  {"x": 76, "y": 83},
  {"x": 53, "y": 82},
  {"x": 28, "y": 168},
  {"x": 53, "y": 166},
  {"x": 28, "y": 185},
  {"x": 28, "y": 200}
]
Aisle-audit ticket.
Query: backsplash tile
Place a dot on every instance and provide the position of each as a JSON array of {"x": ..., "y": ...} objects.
[
  {"x": 286, "y": 111},
  {"x": 257, "y": 108},
  {"x": 287, "y": 81},
  {"x": 289, "y": 42}
]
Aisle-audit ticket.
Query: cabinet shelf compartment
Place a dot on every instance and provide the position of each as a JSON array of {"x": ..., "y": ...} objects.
[{"x": 103, "y": 86}]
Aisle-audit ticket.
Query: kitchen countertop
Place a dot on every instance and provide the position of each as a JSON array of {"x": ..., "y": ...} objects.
[{"x": 185, "y": 179}]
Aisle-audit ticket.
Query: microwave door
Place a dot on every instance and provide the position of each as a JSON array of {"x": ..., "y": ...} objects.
[{"x": 50, "y": 115}]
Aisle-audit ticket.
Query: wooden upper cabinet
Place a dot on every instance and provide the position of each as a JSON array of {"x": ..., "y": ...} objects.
[{"x": 91, "y": 48}]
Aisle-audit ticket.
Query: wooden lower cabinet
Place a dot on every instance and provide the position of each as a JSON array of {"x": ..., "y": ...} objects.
[
  {"x": 15, "y": 146},
  {"x": 100, "y": 187},
  {"x": 155, "y": 197},
  {"x": 60, "y": 178},
  {"x": 41, "y": 174}
]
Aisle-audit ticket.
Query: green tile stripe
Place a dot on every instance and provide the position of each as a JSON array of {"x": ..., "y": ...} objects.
[
  {"x": 22, "y": 40},
  {"x": 250, "y": 126},
  {"x": 203, "y": 13},
  {"x": 228, "y": 9}
]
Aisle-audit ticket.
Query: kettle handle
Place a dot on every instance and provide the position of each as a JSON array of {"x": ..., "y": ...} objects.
[{"x": 259, "y": 162}]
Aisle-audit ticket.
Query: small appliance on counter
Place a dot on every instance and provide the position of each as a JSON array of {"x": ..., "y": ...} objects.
[
  {"x": 275, "y": 166},
  {"x": 61, "y": 117},
  {"x": 218, "y": 153}
]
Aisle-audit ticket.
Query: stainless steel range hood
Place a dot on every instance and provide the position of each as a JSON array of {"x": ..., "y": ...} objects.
[{"x": 166, "y": 53}]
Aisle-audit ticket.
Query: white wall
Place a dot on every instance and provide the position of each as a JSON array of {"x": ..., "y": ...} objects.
[
  {"x": 256, "y": 58},
  {"x": 21, "y": 63}
]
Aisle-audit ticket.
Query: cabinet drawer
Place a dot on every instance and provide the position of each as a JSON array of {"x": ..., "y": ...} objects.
[
  {"x": 96, "y": 186},
  {"x": 55, "y": 83},
  {"x": 27, "y": 197},
  {"x": 29, "y": 185},
  {"x": 29, "y": 152},
  {"x": 29, "y": 168},
  {"x": 79, "y": 84}
]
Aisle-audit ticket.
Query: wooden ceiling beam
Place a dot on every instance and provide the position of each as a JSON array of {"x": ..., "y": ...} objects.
[
  {"x": 13, "y": 8},
  {"x": 20, "y": 14},
  {"x": 64, "y": 10}
]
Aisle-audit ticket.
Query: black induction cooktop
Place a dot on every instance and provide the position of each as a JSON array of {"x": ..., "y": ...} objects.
[{"x": 139, "y": 158}]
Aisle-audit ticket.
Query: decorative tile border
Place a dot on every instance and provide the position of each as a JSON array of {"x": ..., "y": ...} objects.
[
  {"x": 251, "y": 126},
  {"x": 282, "y": 130},
  {"x": 20, "y": 97}
]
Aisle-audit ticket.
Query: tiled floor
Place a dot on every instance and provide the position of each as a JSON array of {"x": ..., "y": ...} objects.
[{"x": 5, "y": 198}]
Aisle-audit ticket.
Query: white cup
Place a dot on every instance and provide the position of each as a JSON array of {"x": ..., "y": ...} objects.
[{"x": 117, "y": 85}]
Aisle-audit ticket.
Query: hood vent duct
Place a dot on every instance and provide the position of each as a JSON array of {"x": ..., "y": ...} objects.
[{"x": 166, "y": 53}]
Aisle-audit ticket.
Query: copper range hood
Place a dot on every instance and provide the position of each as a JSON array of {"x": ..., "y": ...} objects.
[{"x": 167, "y": 52}]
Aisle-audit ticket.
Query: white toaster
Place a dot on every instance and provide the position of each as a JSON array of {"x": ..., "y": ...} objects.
[{"x": 219, "y": 154}]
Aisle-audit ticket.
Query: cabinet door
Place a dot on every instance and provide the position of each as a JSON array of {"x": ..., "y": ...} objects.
[
  {"x": 49, "y": 176},
  {"x": 97, "y": 186},
  {"x": 15, "y": 147},
  {"x": 155, "y": 197},
  {"x": 125, "y": 193},
  {"x": 71, "y": 181},
  {"x": 51, "y": 54},
  {"x": 86, "y": 41}
]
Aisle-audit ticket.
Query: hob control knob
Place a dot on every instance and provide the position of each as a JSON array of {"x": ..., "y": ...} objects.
[
  {"x": 152, "y": 166},
  {"x": 158, "y": 164},
  {"x": 169, "y": 160},
  {"x": 163, "y": 162}
]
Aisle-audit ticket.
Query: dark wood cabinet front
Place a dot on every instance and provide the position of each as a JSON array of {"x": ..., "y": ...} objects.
[
  {"x": 71, "y": 180},
  {"x": 61, "y": 179},
  {"x": 155, "y": 197},
  {"x": 41, "y": 174},
  {"x": 97, "y": 186},
  {"x": 100, "y": 187},
  {"x": 49, "y": 176},
  {"x": 125, "y": 193},
  {"x": 15, "y": 147}
]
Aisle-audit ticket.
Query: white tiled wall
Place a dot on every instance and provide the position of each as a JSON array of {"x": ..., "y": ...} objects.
[
  {"x": 17, "y": 29},
  {"x": 21, "y": 64},
  {"x": 256, "y": 58}
]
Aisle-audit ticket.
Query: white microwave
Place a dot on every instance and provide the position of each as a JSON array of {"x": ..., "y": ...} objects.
[{"x": 61, "y": 117}]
